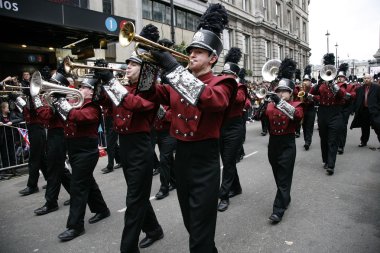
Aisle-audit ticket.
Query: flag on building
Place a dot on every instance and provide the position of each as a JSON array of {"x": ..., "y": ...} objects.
[{"x": 24, "y": 134}]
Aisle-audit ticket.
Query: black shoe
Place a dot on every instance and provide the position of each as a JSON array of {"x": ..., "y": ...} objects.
[
  {"x": 28, "y": 190},
  {"x": 330, "y": 171},
  {"x": 117, "y": 166},
  {"x": 44, "y": 187},
  {"x": 223, "y": 205},
  {"x": 66, "y": 203},
  {"x": 232, "y": 193},
  {"x": 274, "y": 218},
  {"x": 172, "y": 187},
  {"x": 306, "y": 146},
  {"x": 362, "y": 145},
  {"x": 162, "y": 194},
  {"x": 107, "y": 170},
  {"x": 340, "y": 151},
  {"x": 263, "y": 133},
  {"x": 149, "y": 240},
  {"x": 45, "y": 209},
  {"x": 70, "y": 234},
  {"x": 156, "y": 171},
  {"x": 99, "y": 216}
]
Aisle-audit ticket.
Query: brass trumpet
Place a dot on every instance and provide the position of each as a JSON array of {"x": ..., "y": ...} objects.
[
  {"x": 69, "y": 66},
  {"x": 127, "y": 35},
  {"x": 270, "y": 70}
]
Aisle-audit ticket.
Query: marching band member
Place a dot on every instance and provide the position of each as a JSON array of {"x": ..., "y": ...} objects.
[
  {"x": 231, "y": 138},
  {"x": 57, "y": 173},
  {"x": 284, "y": 115},
  {"x": 330, "y": 121},
  {"x": 81, "y": 132},
  {"x": 198, "y": 111},
  {"x": 309, "y": 110},
  {"x": 133, "y": 119},
  {"x": 348, "y": 104}
]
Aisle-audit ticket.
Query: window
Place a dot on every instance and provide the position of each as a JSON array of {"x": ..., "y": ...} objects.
[
  {"x": 298, "y": 26},
  {"x": 267, "y": 50},
  {"x": 168, "y": 15},
  {"x": 191, "y": 22},
  {"x": 280, "y": 51},
  {"x": 158, "y": 12},
  {"x": 247, "y": 5},
  {"x": 304, "y": 32},
  {"x": 147, "y": 9},
  {"x": 226, "y": 40},
  {"x": 304, "y": 5},
  {"x": 181, "y": 19},
  {"x": 291, "y": 54},
  {"x": 289, "y": 16},
  {"x": 278, "y": 14},
  {"x": 246, "y": 52},
  {"x": 265, "y": 9},
  {"x": 108, "y": 6}
]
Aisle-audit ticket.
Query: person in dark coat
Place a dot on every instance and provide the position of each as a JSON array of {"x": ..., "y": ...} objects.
[{"x": 367, "y": 110}]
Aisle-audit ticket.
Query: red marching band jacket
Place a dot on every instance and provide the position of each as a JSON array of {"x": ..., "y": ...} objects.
[
  {"x": 135, "y": 114},
  {"x": 236, "y": 109},
  {"x": 326, "y": 97},
  {"x": 30, "y": 115},
  {"x": 164, "y": 123},
  {"x": 84, "y": 121},
  {"x": 201, "y": 122},
  {"x": 351, "y": 89},
  {"x": 49, "y": 117},
  {"x": 279, "y": 123}
]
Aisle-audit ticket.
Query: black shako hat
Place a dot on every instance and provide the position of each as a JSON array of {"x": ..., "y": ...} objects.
[
  {"x": 343, "y": 70},
  {"x": 231, "y": 61},
  {"x": 211, "y": 25},
  {"x": 307, "y": 73},
  {"x": 58, "y": 78},
  {"x": 149, "y": 32},
  {"x": 285, "y": 74},
  {"x": 89, "y": 81}
]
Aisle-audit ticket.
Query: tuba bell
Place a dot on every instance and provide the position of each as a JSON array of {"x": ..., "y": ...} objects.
[
  {"x": 270, "y": 70},
  {"x": 261, "y": 92},
  {"x": 328, "y": 72},
  {"x": 47, "y": 90}
]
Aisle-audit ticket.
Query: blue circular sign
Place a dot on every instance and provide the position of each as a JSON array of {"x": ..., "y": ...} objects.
[{"x": 111, "y": 24}]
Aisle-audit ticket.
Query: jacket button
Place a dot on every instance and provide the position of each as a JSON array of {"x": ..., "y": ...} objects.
[
  {"x": 191, "y": 134},
  {"x": 195, "y": 117},
  {"x": 176, "y": 131},
  {"x": 182, "y": 100},
  {"x": 179, "y": 115},
  {"x": 117, "y": 115},
  {"x": 126, "y": 128},
  {"x": 128, "y": 116},
  {"x": 185, "y": 135}
]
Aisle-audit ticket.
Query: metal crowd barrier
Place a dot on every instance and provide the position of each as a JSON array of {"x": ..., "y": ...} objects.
[{"x": 14, "y": 150}]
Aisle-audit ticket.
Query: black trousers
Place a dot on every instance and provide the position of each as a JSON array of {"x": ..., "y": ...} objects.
[
  {"x": 282, "y": 155},
  {"x": 37, "y": 156},
  {"x": 112, "y": 145},
  {"x": 156, "y": 162},
  {"x": 346, "y": 112},
  {"x": 57, "y": 173},
  {"x": 308, "y": 124},
  {"x": 83, "y": 157},
  {"x": 264, "y": 124},
  {"x": 230, "y": 142},
  {"x": 136, "y": 155},
  {"x": 366, "y": 126},
  {"x": 330, "y": 123},
  {"x": 243, "y": 133},
  {"x": 166, "y": 145},
  {"x": 197, "y": 167}
]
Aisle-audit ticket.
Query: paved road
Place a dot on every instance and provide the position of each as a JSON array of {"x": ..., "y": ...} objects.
[{"x": 340, "y": 213}]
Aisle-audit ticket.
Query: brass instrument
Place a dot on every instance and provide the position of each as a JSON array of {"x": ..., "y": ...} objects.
[
  {"x": 270, "y": 70},
  {"x": 127, "y": 35},
  {"x": 47, "y": 90},
  {"x": 328, "y": 72},
  {"x": 69, "y": 66},
  {"x": 302, "y": 91},
  {"x": 7, "y": 87},
  {"x": 261, "y": 91}
]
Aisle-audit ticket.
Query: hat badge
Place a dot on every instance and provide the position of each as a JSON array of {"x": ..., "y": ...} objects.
[{"x": 198, "y": 36}]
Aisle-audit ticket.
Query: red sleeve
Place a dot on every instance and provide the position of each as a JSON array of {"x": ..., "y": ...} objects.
[
  {"x": 298, "y": 114},
  {"x": 45, "y": 112},
  {"x": 216, "y": 98},
  {"x": 162, "y": 94},
  {"x": 247, "y": 103},
  {"x": 89, "y": 114},
  {"x": 168, "y": 115},
  {"x": 135, "y": 103},
  {"x": 240, "y": 96}
]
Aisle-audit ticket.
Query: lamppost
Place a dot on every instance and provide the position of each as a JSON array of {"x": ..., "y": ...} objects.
[
  {"x": 336, "y": 55},
  {"x": 327, "y": 35}
]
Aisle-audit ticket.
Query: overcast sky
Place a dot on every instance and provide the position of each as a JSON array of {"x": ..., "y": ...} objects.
[{"x": 354, "y": 25}]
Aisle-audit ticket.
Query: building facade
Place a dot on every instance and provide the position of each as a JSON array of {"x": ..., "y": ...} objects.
[{"x": 263, "y": 29}]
